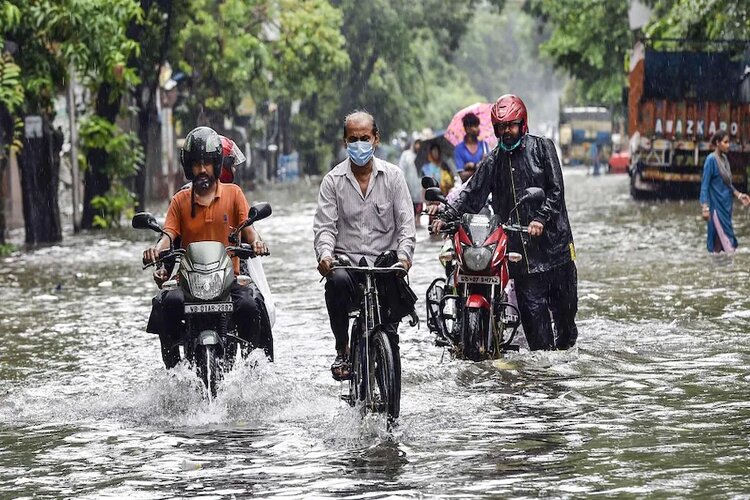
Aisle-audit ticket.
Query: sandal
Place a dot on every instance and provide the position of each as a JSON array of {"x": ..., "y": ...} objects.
[{"x": 341, "y": 369}]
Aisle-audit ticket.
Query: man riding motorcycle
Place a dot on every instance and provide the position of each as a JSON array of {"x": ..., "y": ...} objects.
[
  {"x": 546, "y": 277},
  {"x": 207, "y": 211}
]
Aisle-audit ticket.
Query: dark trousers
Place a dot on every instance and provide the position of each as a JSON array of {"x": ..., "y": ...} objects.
[
  {"x": 547, "y": 297},
  {"x": 343, "y": 295},
  {"x": 246, "y": 316}
]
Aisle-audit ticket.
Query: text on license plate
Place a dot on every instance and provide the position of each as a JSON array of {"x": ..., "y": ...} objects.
[
  {"x": 209, "y": 308},
  {"x": 482, "y": 280}
]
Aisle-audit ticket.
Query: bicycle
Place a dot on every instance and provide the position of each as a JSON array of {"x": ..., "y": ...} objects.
[{"x": 375, "y": 379}]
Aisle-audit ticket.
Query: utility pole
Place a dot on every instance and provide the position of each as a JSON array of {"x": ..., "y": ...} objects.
[{"x": 73, "y": 147}]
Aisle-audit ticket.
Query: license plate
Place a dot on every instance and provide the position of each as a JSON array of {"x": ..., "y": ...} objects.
[
  {"x": 209, "y": 308},
  {"x": 480, "y": 280}
]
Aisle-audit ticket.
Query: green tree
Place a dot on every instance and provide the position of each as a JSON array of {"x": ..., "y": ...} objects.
[
  {"x": 269, "y": 50},
  {"x": 700, "y": 20},
  {"x": 156, "y": 35},
  {"x": 499, "y": 54},
  {"x": 54, "y": 36},
  {"x": 11, "y": 99},
  {"x": 220, "y": 47},
  {"x": 389, "y": 69},
  {"x": 310, "y": 49},
  {"x": 589, "y": 39}
]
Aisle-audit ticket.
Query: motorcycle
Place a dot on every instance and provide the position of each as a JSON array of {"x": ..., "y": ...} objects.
[
  {"x": 469, "y": 310},
  {"x": 205, "y": 274}
]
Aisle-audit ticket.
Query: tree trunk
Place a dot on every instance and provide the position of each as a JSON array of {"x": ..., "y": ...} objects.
[
  {"x": 285, "y": 126},
  {"x": 6, "y": 138},
  {"x": 96, "y": 180},
  {"x": 39, "y": 163}
]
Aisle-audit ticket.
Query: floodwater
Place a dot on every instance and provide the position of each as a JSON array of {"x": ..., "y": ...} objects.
[{"x": 655, "y": 401}]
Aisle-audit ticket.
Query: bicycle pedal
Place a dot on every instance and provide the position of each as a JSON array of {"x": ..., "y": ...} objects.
[
  {"x": 347, "y": 398},
  {"x": 512, "y": 347},
  {"x": 442, "y": 342}
]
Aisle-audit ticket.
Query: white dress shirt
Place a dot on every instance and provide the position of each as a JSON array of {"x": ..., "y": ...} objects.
[{"x": 356, "y": 225}]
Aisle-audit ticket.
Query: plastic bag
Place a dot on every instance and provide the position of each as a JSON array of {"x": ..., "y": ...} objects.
[{"x": 255, "y": 271}]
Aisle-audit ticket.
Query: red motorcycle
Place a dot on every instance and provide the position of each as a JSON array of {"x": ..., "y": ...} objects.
[{"x": 469, "y": 310}]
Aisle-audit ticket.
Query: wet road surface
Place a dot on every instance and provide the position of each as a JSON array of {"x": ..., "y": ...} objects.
[{"x": 654, "y": 401}]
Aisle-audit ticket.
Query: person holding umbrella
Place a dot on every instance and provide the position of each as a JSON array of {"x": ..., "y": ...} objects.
[{"x": 471, "y": 150}]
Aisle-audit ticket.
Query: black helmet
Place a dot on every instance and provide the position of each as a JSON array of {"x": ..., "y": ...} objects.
[{"x": 201, "y": 143}]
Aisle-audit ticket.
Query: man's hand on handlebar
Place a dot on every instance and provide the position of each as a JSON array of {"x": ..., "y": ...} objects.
[
  {"x": 437, "y": 225},
  {"x": 259, "y": 247},
  {"x": 536, "y": 228},
  {"x": 432, "y": 208},
  {"x": 324, "y": 266},
  {"x": 405, "y": 263},
  {"x": 150, "y": 255}
]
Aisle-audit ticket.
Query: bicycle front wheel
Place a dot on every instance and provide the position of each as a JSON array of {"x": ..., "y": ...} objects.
[{"x": 385, "y": 375}]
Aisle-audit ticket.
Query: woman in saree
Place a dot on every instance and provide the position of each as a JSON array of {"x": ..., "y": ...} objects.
[{"x": 716, "y": 196}]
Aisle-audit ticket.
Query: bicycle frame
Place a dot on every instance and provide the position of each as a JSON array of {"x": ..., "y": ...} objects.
[{"x": 368, "y": 322}]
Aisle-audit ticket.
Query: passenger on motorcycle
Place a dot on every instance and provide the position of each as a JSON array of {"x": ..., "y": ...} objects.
[
  {"x": 207, "y": 211},
  {"x": 546, "y": 278},
  {"x": 364, "y": 209}
]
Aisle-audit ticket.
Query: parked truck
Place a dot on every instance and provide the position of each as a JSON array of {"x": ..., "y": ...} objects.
[
  {"x": 579, "y": 128},
  {"x": 676, "y": 101}
]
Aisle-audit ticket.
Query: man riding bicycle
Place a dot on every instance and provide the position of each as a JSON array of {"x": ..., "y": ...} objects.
[{"x": 364, "y": 210}]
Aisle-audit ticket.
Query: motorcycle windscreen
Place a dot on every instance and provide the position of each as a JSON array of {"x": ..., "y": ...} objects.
[
  {"x": 206, "y": 255},
  {"x": 479, "y": 227}
]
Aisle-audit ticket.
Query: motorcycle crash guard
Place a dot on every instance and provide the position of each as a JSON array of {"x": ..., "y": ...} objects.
[
  {"x": 477, "y": 301},
  {"x": 209, "y": 337}
]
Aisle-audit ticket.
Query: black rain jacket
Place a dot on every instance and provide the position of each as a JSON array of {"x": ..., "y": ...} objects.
[{"x": 506, "y": 174}]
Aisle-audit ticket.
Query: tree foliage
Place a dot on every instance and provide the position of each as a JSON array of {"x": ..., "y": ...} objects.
[
  {"x": 589, "y": 39},
  {"x": 700, "y": 20},
  {"x": 220, "y": 48}
]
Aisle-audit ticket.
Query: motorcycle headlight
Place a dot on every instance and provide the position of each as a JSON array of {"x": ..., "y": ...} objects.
[
  {"x": 478, "y": 259},
  {"x": 206, "y": 286}
]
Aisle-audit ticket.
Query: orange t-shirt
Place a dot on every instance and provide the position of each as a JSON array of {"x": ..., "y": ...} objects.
[{"x": 214, "y": 222}]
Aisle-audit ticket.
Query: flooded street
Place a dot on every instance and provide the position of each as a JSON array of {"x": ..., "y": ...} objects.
[{"x": 656, "y": 399}]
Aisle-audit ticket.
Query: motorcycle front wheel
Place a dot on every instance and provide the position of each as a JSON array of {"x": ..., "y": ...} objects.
[
  {"x": 209, "y": 369},
  {"x": 473, "y": 333}
]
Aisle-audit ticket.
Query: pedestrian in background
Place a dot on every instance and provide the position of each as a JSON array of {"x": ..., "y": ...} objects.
[
  {"x": 594, "y": 153},
  {"x": 716, "y": 198},
  {"x": 409, "y": 168},
  {"x": 471, "y": 150}
]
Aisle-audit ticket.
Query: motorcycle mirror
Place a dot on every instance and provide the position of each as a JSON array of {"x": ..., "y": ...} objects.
[
  {"x": 434, "y": 194},
  {"x": 258, "y": 211},
  {"x": 144, "y": 220},
  {"x": 429, "y": 182}
]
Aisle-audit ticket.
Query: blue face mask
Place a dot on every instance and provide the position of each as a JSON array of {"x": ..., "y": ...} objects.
[{"x": 360, "y": 152}]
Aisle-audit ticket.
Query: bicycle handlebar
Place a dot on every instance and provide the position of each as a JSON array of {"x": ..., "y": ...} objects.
[{"x": 395, "y": 268}]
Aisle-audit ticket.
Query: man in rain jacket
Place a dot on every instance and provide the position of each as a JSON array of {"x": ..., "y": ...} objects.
[{"x": 546, "y": 278}]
